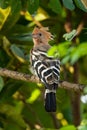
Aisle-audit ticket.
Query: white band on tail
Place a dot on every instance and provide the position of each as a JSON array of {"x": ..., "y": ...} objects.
[{"x": 49, "y": 91}]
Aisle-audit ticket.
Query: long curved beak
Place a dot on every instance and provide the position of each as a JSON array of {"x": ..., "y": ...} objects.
[
  {"x": 35, "y": 36},
  {"x": 26, "y": 35},
  {"x": 30, "y": 35}
]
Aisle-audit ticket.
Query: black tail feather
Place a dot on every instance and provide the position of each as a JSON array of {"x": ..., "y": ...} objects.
[{"x": 50, "y": 102}]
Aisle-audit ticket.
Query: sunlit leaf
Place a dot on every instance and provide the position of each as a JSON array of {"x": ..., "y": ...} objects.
[
  {"x": 4, "y": 13},
  {"x": 41, "y": 15},
  {"x": 82, "y": 128},
  {"x": 69, "y": 4},
  {"x": 28, "y": 16},
  {"x": 84, "y": 122},
  {"x": 34, "y": 95},
  {"x": 84, "y": 3},
  {"x": 13, "y": 16},
  {"x": 64, "y": 122},
  {"x": 59, "y": 116},
  {"x": 40, "y": 85},
  {"x": 53, "y": 52},
  {"x": 80, "y": 4},
  {"x": 60, "y": 50},
  {"x": 55, "y": 5},
  {"x": 69, "y": 127}
]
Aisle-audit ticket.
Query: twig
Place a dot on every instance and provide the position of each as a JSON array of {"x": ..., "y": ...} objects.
[
  {"x": 68, "y": 24},
  {"x": 28, "y": 78},
  {"x": 55, "y": 120}
]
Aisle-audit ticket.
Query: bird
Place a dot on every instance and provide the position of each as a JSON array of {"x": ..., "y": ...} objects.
[{"x": 45, "y": 67}]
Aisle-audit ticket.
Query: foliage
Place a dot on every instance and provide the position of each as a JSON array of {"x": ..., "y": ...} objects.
[{"x": 21, "y": 103}]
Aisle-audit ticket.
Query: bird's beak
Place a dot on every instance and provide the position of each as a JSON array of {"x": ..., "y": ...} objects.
[
  {"x": 34, "y": 35},
  {"x": 26, "y": 35},
  {"x": 30, "y": 35}
]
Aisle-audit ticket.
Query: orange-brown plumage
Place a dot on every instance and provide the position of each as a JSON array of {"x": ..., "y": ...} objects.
[{"x": 41, "y": 35}]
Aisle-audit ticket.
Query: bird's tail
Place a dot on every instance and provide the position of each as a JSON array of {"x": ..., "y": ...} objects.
[{"x": 50, "y": 100}]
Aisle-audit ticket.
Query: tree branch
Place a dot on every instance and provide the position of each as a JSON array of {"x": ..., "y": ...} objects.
[{"x": 28, "y": 78}]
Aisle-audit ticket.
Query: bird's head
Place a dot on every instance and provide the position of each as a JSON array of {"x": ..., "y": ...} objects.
[{"x": 41, "y": 35}]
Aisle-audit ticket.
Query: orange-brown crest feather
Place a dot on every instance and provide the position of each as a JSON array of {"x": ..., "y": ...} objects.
[{"x": 44, "y": 31}]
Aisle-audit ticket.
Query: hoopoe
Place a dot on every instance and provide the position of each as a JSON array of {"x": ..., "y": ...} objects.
[{"x": 47, "y": 68}]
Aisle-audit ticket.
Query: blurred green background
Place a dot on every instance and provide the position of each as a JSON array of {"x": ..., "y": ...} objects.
[{"x": 22, "y": 103}]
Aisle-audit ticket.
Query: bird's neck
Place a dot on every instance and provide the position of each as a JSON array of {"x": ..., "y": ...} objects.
[
  {"x": 42, "y": 46},
  {"x": 39, "y": 43}
]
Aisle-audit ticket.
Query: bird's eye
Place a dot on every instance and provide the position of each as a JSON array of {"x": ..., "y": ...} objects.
[{"x": 40, "y": 34}]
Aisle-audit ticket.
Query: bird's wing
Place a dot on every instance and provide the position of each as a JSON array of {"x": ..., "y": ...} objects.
[{"x": 46, "y": 67}]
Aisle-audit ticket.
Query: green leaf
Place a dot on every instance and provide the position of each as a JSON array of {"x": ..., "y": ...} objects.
[
  {"x": 11, "y": 113},
  {"x": 4, "y": 13},
  {"x": 65, "y": 59},
  {"x": 1, "y": 83},
  {"x": 69, "y": 4},
  {"x": 18, "y": 53},
  {"x": 80, "y": 5},
  {"x": 34, "y": 95},
  {"x": 55, "y": 5},
  {"x": 74, "y": 57},
  {"x": 22, "y": 37},
  {"x": 69, "y": 127},
  {"x": 4, "y": 59},
  {"x": 4, "y": 4},
  {"x": 9, "y": 89},
  {"x": 70, "y": 36},
  {"x": 13, "y": 16},
  {"x": 63, "y": 48},
  {"x": 12, "y": 126},
  {"x": 53, "y": 52},
  {"x": 78, "y": 52},
  {"x": 84, "y": 3},
  {"x": 33, "y": 6},
  {"x": 83, "y": 127}
]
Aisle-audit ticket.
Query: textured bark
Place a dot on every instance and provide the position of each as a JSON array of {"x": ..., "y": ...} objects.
[
  {"x": 28, "y": 78},
  {"x": 76, "y": 99}
]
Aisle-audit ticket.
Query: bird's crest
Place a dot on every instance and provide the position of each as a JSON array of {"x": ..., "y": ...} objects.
[{"x": 44, "y": 31}]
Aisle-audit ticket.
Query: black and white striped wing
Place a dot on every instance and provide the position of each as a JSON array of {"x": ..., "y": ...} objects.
[{"x": 46, "y": 68}]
